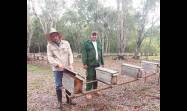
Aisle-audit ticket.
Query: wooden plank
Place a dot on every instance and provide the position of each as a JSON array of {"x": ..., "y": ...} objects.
[
  {"x": 103, "y": 76},
  {"x": 78, "y": 84},
  {"x": 131, "y": 65},
  {"x": 149, "y": 67},
  {"x": 157, "y": 61},
  {"x": 107, "y": 70},
  {"x": 72, "y": 82},
  {"x": 131, "y": 70},
  {"x": 106, "y": 75},
  {"x": 68, "y": 82},
  {"x": 114, "y": 80},
  {"x": 149, "y": 62}
]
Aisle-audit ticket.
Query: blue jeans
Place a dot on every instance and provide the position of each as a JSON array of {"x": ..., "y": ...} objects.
[
  {"x": 58, "y": 79},
  {"x": 58, "y": 82}
]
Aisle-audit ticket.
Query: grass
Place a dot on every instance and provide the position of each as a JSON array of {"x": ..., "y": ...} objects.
[
  {"x": 38, "y": 69},
  {"x": 38, "y": 77}
]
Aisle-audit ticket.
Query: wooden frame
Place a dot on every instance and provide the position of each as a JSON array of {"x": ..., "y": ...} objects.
[
  {"x": 106, "y": 75},
  {"x": 131, "y": 70},
  {"x": 72, "y": 81}
]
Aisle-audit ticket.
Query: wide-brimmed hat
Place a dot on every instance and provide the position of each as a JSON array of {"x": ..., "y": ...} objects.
[{"x": 52, "y": 30}]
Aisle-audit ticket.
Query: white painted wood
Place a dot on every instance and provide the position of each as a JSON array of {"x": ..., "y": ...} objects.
[
  {"x": 106, "y": 75},
  {"x": 150, "y": 67},
  {"x": 131, "y": 70},
  {"x": 72, "y": 81}
]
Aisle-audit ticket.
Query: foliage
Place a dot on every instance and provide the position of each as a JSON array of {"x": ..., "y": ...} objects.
[{"x": 77, "y": 22}]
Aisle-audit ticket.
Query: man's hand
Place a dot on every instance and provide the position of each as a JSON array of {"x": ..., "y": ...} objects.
[
  {"x": 85, "y": 66},
  {"x": 59, "y": 66}
]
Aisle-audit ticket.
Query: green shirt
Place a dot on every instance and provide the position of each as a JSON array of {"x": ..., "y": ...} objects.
[{"x": 89, "y": 53}]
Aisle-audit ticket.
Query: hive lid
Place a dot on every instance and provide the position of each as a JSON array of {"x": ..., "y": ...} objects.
[
  {"x": 150, "y": 62},
  {"x": 70, "y": 72},
  {"x": 73, "y": 73},
  {"x": 106, "y": 70},
  {"x": 130, "y": 65}
]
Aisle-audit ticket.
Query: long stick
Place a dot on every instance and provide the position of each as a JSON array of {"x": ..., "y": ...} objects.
[{"x": 110, "y": 86}]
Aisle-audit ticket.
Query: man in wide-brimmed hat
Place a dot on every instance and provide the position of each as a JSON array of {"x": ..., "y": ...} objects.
[{"x": 59, "y": 55}]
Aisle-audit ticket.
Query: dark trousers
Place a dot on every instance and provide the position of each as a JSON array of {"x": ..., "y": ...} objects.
[{"x": 91, "y": 75}]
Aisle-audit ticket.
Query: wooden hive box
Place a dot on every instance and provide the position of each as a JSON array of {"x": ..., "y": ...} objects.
[
  {"x": 106, "y": 75},
  {"x": 72, "y": 81},
  {"x": 150, "y": 67},
  {"x": 157, "y": 61},
  {"x": 131, "y": 70}
]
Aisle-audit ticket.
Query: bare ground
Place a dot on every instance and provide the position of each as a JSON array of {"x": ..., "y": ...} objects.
[{"x": 136, "y": 96}]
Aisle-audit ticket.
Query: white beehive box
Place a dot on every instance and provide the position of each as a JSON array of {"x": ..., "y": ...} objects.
[
  {"x": 72, "y": 82},
  {"x": 106, "y": 75},
  {"x": 150, "y": 67},
  {"x": 157, "y": 61},
  {"x": 131, "y": 70}
]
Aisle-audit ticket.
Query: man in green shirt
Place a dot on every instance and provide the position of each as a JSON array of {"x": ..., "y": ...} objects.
[{"x": 92, "y": 57}]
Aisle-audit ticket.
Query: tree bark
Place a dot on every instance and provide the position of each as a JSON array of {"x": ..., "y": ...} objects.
[{"x": 29, "y": 41}]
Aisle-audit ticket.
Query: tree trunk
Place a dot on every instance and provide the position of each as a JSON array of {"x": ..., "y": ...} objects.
[
  {"x": 38, "y": 47},
  {"x": 77, "y": 42},
  {"x": 138, "y": 45},
  {"x": 122, "y": 34},
  {"x": 122, "y": 26},
  {"x": 118, "y": 27},
  {"x": 137, "y": 51},
  {"x": 107, "y": 45},
  {"x": 106, "y": 42},
  {"x": 140, "y": 38},
  {"x": 29, "y": 42},
  {"x": 124, "y": 22},
  {"x": 141, "y": 26},
  {"x": 29, "y": 26},
  {"x": 103, "y": 42},
  {"x": 109, "y": 41}
]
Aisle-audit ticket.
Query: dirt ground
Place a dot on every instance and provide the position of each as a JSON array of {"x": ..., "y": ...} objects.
[{"x": 136, "y": 96}]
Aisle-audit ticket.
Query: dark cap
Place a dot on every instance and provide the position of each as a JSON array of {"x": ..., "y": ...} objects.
[{"x": 94, "y": 33}]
